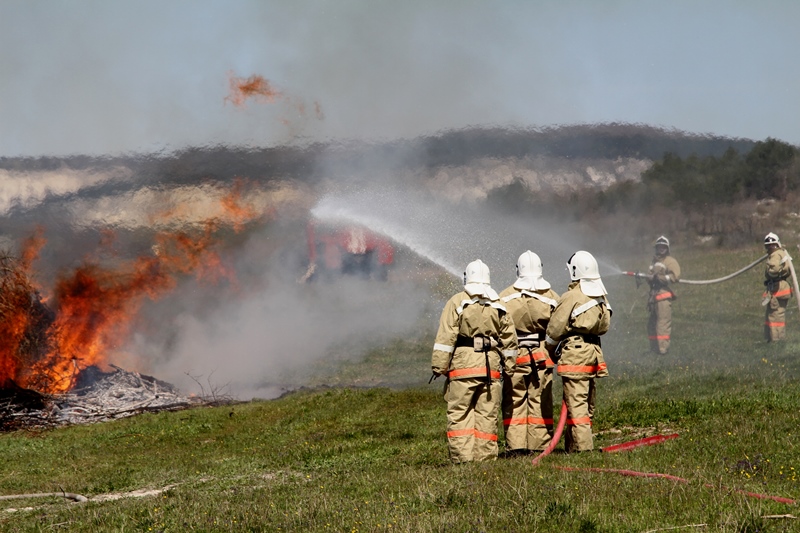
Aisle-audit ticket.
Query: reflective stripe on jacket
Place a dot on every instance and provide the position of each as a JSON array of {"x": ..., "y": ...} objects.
[{"x": 465, "y": 316}]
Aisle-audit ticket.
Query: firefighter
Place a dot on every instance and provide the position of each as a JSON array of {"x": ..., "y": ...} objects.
[
  {"x": 778, "y": 290},
  {"x": 528, "y": 392},
  {"x": 581, "y": 316},
  {"x": 663, "y": 272},
  {"x": 475, "y": 339}
]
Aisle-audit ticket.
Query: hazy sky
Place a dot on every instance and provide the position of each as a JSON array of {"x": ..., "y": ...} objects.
[{"x": 104, "y": 77}]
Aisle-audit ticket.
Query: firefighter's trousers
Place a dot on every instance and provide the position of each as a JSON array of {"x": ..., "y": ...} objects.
[
  {"x": 659, "y": 327},
  {"x": 579, "y": 396},
  {"x": 472, "y": 410},
  {"x": 775, "y": 319},
  {"x": 528, "y": 409}
]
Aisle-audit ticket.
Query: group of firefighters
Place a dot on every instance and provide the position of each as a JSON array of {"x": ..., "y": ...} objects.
[{"x": 498, "y": 351}]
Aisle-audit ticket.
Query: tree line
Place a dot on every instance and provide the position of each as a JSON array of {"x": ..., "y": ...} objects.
[{"x": 770, "y": 169}]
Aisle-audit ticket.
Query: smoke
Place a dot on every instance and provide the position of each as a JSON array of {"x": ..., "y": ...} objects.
[{"x": 279, "y": 336}]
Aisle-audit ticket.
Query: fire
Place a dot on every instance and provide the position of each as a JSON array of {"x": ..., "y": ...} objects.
[
  {"x": 260, "y": 89},
  {"x": 253, "y": 87},
  {"x": 232, "y": 205},
  {"x": 95, "y": 307}
]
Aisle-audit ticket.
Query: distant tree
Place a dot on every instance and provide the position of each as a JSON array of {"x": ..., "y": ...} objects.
[
  {"x": 771, "y": 169},
  {"x": 514, "y": 197}
]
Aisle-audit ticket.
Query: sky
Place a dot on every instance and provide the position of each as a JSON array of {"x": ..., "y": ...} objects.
[{"x": 151, "y": 76}]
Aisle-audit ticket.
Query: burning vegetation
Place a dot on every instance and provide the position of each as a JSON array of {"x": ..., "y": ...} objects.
[{"x": 53, "y": 339}]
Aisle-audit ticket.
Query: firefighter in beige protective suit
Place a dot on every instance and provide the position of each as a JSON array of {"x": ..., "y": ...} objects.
[
  {"x": 475, "y": 341},
  {"x": 664, "y": 271},
  {"x": 528, "y": 392},
  {"x": 573, "y": 340},
  {"x": 778, "y": 291}
]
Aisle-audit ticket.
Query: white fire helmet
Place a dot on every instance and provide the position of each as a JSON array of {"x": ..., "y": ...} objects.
[
  {"x": 529, "y": 273},
  {"x": 583, "y": 266},
  {"x": 771, "y": 238},
  {"x": 476, "y": 281},
  {"x": 477, "y": 272},
  {"x": 662, "y": 241}
]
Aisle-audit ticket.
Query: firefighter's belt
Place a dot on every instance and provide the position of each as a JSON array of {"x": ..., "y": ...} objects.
[
  {"x": 479, "y": 343},
  {"x": 528, "y": 340},
  {"x": 585, "y": 337}
]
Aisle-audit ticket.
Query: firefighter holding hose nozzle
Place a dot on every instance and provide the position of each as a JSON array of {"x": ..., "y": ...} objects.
[
  {"x": 528, "y": 391},
  {"x": 582, "y": 315},
  {"x": 664, "y": 271},
  {"x": 777, "y": 289},
  {"x": 475, "y": 339}
]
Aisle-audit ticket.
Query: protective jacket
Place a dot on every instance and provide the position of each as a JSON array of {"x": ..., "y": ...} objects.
[
  {"x": 665, "y": 271},
  {"x": 530, "y": 312},
  {"x": 464, "y": 318},
  {"x": 777, "y": 273},
  {"x": 575, "y": 327}
]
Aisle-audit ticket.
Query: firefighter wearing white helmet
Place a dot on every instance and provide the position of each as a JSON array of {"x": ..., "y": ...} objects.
[
  {"x": 528, "y": 391},
  {"x": 664, "y": 272},
  {"x": 582, "y": 315},
  {"x": 475, "y": 341},
  {"x": 778, "y": 291}
]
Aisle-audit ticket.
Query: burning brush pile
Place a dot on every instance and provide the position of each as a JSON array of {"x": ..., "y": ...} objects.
[
  {"x": 39, "y": 387},
  {"x": 57, "y": 345}
]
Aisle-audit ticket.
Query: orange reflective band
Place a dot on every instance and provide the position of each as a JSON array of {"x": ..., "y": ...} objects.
[
  {"x": 588, "y": 369},
  {"x": 663, "y": 296},
  {"x": 579, "y": 421},
  {"x": 514, "y": 421},
  {"x": 460, "y": 433},
  {"x": 775, "y": 324},
  {"x": 473, "y": 371},
  {"x": 523, "y": 360},
  {"x": 786, "y": 292},
  {"x": 471, "y": 433},
  {"x": 540, "y": 421},
  {"x": 540, "y": 356},
  {"x": 485, "y": 436},
  {"x": 658, "y": 337}
]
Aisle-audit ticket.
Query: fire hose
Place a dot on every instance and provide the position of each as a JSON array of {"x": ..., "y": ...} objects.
[
  {"x": 68, "y": 495},
  {"x": 634, "y": 473},
  {"x": 625, "y": 446},
  {"x": 639, "y": 275},
  {"x": 795, "y": 285}
]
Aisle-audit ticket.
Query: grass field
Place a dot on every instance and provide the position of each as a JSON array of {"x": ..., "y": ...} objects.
[{"x": 367, "y": 452}]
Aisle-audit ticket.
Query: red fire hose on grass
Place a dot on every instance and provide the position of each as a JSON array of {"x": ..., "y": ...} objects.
[
  {"x": 630, "y": 445},
  {"x": 562, "y": 421}
]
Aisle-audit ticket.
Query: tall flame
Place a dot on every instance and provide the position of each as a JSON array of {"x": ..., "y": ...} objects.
[{"x": 95, "y": 306}]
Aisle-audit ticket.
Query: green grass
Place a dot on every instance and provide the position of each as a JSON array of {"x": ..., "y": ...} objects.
[{"x": 353, "y": 458}]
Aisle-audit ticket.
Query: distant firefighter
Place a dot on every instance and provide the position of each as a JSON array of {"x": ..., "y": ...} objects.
[
  {"x": 664, "y": 272},
  {"x": 528, "y": 391},
  {"x": 777, "y": 289},
  {"x": 475, "y": 338},
  {"x": 582, "y": 315}
]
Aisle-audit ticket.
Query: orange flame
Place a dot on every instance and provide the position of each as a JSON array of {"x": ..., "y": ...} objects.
[
  {"x": 97, "y": 306},
  {"x": 232, "y": 204},
  {"x": 253, "y": 87}
]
